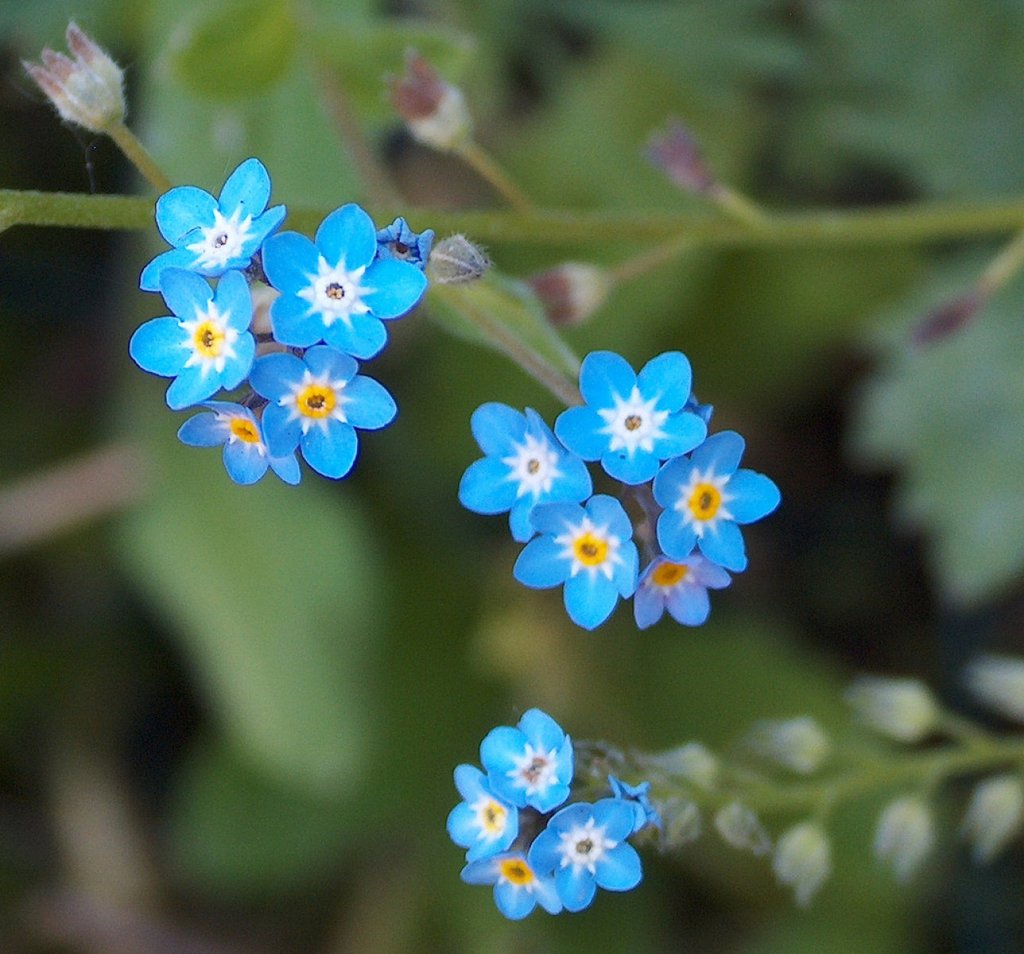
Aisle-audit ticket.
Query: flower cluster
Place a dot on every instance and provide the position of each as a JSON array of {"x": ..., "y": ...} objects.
[
  {"x": 299, "y": 365},
  {"x": 524, "y": 840},
  {"x": 648, "y": 432}
]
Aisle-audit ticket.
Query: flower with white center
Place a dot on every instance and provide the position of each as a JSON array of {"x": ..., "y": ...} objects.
[
  {"x": 482, "y": 822},
  {"x": 589, "y": 549},
  {"x": 525, "y": 465},
  {"x": 518, "y": 888},
  {"x": 706, "y": 497},
  {"x": 584, "y": 846},
  {"x": 905, "y": 835},
  {"x": 803, "y": 860},
  {"x": 679, "y": 587},
  {"x": 336, "y": 289},
  {"x": 211, "y": 236},
  {"x": 902, "y": 709},
  {"x": 317, "y": 402},
  {"x": 994, "y": 815},
  {"x": 531, "y": 764},
  {"x": 207, "y": 345},
  {"x": 631, "y": 422}
]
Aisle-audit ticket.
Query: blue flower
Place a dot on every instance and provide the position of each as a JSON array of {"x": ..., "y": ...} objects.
[
  {"x": 211, "y": 236},
  {"x": 589, "y": 549},
  {"x": 401, "y": 242},
  {"x": 644, "y": 812},
  {"x": 680, "y": 587},
  {"x": 246, "y": 458},
  {"x": 483, "y": 823},
  {"x": 336, "y": 290},
  {"x": 525, "y": 465},
  {"x": 317, "y": 401},
  {"x": 705, "y": 499},
  {"x": 631, "y": 422},
  {"x": 518, "y": 889},
  {"x": 207, "y": 346},
  {"x": 584, "y": 847},
  {"x": 531, "y": 764}
]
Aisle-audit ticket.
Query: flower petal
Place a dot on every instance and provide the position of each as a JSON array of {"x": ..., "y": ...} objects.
[
  {"x": 247, "y": 188},
  {"x": 724, "y": 546},
  {"x": 281, "y": 431},
  {"x": 362, "y": 336},
  {"x": 347, "y": 237},
  {"x": 668, "y": 378},
  {"x": 580, "y": 429},
  {"x": 721, "y": 453},
  {"x": 191, "y": 387},
  {"x": 332, "y": 453},
  {"x": 485, "y": 488},
  {"x": 294, "y": 324},
  {"x": 603, "y": 376},
  {"x": 497, "y": 428},
  {"x": 244, "y": 463},
  {"x": 159, "y": 346},
  {"x": 181, "y": 212},
  {"x": 688, "y": 604},
  {"x": 589, "y": 599},
  {"x": 754, "y": 496},
  {"x": 185, "y": 292},
  {"x": 396, "y": 287},
  {"x": 620, "y": 868},
  {"x": 323, "y": 359},
  {"x": 290, "y": 261},
  {"x": 287, "y": 468},
  {"x": 203, "y": 430},
  {"x": 149, "y": 280},
  {"x": 234, "y": 300},
  {"x": 540, "y": 565},
  {"x": 371, "y": 406},
  {"x": 273, "y": 376}
]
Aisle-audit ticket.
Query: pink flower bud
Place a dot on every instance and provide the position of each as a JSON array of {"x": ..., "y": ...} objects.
[
  {"x": 571, "y": 292},
  {"x": 434, "y": 111}
]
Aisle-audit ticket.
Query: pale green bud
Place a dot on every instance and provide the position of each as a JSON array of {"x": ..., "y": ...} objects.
[
  {"x": 797, "y": 744},
  {"x": 692, "y": 762},
  {"x": 681, "y": 820},
  {"x": 905, "y": 835},
  {"x": 456, "y": 260},
  {"x": 902, "y": 709},
  {"x": 742, "y": 829},
  {"x": 998, "y": 682},
  {"x": 803, "y": 860},
  {"x": 994, "y": 815}
]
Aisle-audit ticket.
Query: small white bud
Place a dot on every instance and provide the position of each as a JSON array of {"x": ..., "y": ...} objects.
[
  {"x": 994, "y": 815},
  {"x": 998, "y": 682},
  {"x": 693, "y": 762},
  {"x": 88, "y": 90},
  {"x": 797, "y": 744},
  {"x": 902, "y": 709},
  {"x": 905, "y": 835},
  {"x": 742, "y": 829},
  {"x": 803, "y": 860},
  {"x": 434, "y": 111},
  {"x": 456, "y": 260},
  {"x": 682, "y": 822}
]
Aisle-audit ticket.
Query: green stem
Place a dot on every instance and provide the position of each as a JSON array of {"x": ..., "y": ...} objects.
[
  {"x": 139, "y": 157},
  {"x": 738, "y": 206},
  {"x": 486, "y": 166},
  {"x": 1003, "y": 267}
]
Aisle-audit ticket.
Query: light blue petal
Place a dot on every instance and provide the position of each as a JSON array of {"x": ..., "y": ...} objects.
[
  {"x": 280, "y": 431},
  {"x": 273, "y": 375},
  {"x": 185, "y": 292},
  {"x": 614, "y": 815},
  {"x": 688, "y": 604},
  {"x": 498, "y": 753},
  {"x": 469, "y": 781},
  {"x": 290, "y": 261},
  {"x": 497, "y": 428},
  {"x": 541, "y": 730},
  {"x": 371, "y": 406},
  {"x": 603, "y": 375},
  {"x": 181, "y": 212},
  {"x": 190, "y": 387},
  {"x": 725, "y": 546},
  {"x": 589, "y": 600},
  {"x": 519, "y": 512},
  {"x": 636, "y": 468},
  {"x": 554, "y": 517},
  {"x": 347, "y": 236},
  {"x": 619, "y": 869},
  {"x": 627, "y": 572},
  {"x": 331, "y": 454},
  {"x": 293, "y": 324},
  {"x": 341, "y": 367},
  {"x": 721, "y": 452},
  {"x": 683, "y": 432},
  {"x": 244, "y": 463},
  {"x": 576, "y": 887},
  {"x": 158, "y": 346},
  {"x": 676, "y": 539},
  {"x": 754, "y": 496},
  {"x": 579, "y": 429},
  {"x": 363, "y": 336},
  {"x": 484, "y": 871},
  {"x": 545, "y": 856},
  {"x": 149, "y": 280},
  {"x": 540, "y": 565},
  {"x": 648, "y": 605},
  {"x": 463, "y": 829},
  {"x": 485, "y": 488},
  {"x": 574, "y": 484},
  {"x": 237, "y": 369},
  {"x": 263, "y": 226},
  {"x": 203, "y": 430},
  {"x": 667, "y": 378},
  {"x": 396, "y": 287},
  {"x": 670, "y": 481},
  {"x": 607, "y": 512},
  {"x": 233, "y": 298},
  {"x": 248, "y": 188},
  {"x": 546, "y": 893},
  {"x": 513, "y": 901},
  {"x": 708, "y": 574},
  {"x": 287, "y": 468}
]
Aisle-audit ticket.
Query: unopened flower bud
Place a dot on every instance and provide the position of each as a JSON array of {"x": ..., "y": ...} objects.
[
  {"x": 905, "y": 835},
  {"x": 803, "y": 860},
  {"x": 434, "y": 111},
  {"x": 742, "y": 829},
  {"x": 798, "y": 744},
  {"x": 998, "y": 682},
  {"x": 681, "y": 822},
  {"x": 902, "y": 709},
  {"x": 88, "y": 90},
  {"x": 693, "y": 762},
  {"x": 994, "y": 815},
  {"x": 455, "y": 260},
  {"x": 571, "y": 292},
  {"x": 677, "y": 154}
]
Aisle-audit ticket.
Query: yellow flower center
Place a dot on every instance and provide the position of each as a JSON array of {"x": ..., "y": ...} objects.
[
  {"x": 590, "y": 550},
  {"x": 494, "y": 817},
  {"x": 245, "y": 430},
  {"x": 705, "y": 501},
  {"x": 208, "y": 339},
  {"x": 669, "y": 574},
  {"x": 316, "y": 400},
  {"x": 516, "y": 871}
]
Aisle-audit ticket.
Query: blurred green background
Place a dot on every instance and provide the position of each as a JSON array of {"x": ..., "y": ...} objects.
[{"x": 229, "y": 716}]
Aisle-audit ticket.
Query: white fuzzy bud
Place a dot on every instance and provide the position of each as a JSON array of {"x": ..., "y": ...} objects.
[
  {"x": 797, "y": 744},
  {"x": 742, "y": 829},
  {"x": 803, "y": 860},
  {"x": 905, "y": 835},
  {"x": 998, "y": 683},
  {"x": 994, "y": 815},
  {"x": 902, "y": 709},
  {"x": 456, "y": 260},
  {"x": 692, "y": 762}
]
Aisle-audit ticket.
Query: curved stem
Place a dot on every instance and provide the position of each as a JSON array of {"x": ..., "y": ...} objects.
[
  {"x": 139, "y": 156},
  {"x": 486, "y": 166}
]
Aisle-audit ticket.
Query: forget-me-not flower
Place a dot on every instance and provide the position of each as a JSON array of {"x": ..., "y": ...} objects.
[
  {"x": 638, "y": 797},
  {"x": 632, "y": 422},
  {"x": 211, "y": 236},
  {"x": 589, "y": 549},
  {"x": 584, "y": 846},
  {"x": 482, "y": 822},
  {"x": 401, "y": 242},
  {"x": 518, "y": 889},
  {"x": 246, "y": 458},
  {"x": 681, "y": 587},
  {"x": 706, "y": 498},
  {"x": 337, "y": 290},
  {"x": 316, "y": 402},
  {"x": 525, "y": 465},
  {"x": 207, "y": 345}
]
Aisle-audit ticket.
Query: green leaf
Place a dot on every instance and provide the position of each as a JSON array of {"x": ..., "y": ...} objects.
[
  {"x": 949, "y": 417},
  {"x": 236, "y": 49}
]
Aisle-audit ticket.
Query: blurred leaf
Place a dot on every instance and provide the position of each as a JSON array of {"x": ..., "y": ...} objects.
[
  {"x": 236, "y": 49},
  {"x": 950, "y": 417}
]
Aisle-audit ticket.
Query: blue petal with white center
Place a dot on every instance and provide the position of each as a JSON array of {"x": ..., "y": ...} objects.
[
  {"x": 531, "y": 764},
  {"x": 589, "y": 549},
  {"x": 525, "y": 465},
  {"x": 584, "y": 846},
  {"x": 400, "y": 242},
  {"x": 336, "y": 289},
  {"x": 705, "y": 498},
  {"x": 632, "y": 422},
  {"x": 482, "y": 822},
  {"x": 518, "y": 889},
  {"x": 681, "y": 587},
  {"x": 212, "y": 236},
  {"x": 207, "y": 345},
  {"x": 246, "y": 457},
  {"x": 316, "y": 403}
]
